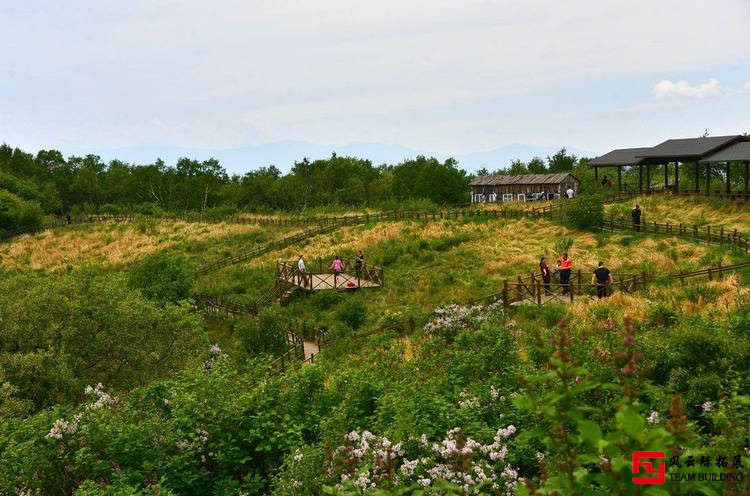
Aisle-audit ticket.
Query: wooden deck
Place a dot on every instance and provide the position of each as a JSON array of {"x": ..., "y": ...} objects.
[
  {"x": 316, "y": 282},
  {"x": 318, "y": 277}
]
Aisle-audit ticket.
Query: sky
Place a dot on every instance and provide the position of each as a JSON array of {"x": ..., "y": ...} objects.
[{"x": 443, "y": 76}]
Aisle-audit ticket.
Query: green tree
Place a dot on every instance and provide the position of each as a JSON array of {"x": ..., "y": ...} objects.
[
  {"x": 561, "y": 162},
  {"x": 163, "y": 277}
]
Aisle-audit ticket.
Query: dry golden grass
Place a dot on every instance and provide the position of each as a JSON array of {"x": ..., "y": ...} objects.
[
  {"x": 53, "y": 250},
  {"x": 689, "y": 211},
  {"x": 492, "y": 252},
  {"x": 520, "y": 244}
]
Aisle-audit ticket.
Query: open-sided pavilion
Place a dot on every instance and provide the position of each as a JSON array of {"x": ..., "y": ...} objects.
[{"x": 698, "y": 153}]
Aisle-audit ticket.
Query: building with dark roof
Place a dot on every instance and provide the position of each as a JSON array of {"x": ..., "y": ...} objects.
[
  {"x": 520, "y": 187},
  {"x": 674, "y": 154}
]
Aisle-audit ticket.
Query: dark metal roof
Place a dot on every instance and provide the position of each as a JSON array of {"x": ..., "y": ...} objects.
[
  {"x": 688, "y": 148},
  {"x": 621, "y": 156},
  {"x": 521, "y": 179},
  {"x": 738, "y": 152}
]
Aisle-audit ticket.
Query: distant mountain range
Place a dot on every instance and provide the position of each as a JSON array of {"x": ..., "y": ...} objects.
[{"x": 283, "y": 154}]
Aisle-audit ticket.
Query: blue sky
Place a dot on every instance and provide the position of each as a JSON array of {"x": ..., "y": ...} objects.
[{"x": 443, "y": 76}]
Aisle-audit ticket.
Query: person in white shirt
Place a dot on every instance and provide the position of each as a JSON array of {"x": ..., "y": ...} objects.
[
  {"x": 301, "y": 269},
  {"x": 570, "y": 192}
]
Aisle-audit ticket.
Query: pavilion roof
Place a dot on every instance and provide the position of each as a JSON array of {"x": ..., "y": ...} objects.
[
  {"x": 738, "y": 152},
  {"x": 621, "y": 156}
]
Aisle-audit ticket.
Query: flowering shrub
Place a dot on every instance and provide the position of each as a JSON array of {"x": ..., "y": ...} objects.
[
  {"x": 449, "y": 320},
  {"x": 368, "y": 462}
]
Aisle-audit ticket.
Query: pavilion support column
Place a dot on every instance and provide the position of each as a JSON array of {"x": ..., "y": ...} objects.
[
  {"x": 648, "y": 178},
  {"x": 596, "y": 175},
  {"x": 619, "y": 179},
  {"x": 708, "y": 179},
  {"x": 729, "y": 184},
  {"x": 640, "y": 179},
  {"x": 666, "y": 176},
  {"x": 747, "y": 169},
  {"x": 676, "y": 177}
]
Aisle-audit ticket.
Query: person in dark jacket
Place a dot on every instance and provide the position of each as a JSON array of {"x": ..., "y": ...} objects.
[
  {"x": 602, "y": 277},
  {"x": 636, "y": 213},
  {"x": 359, "y": 262},
  {"x": 546, "y": 274}
]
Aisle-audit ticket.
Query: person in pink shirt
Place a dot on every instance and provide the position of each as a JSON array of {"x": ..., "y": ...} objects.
[{"x": 338, "y": 267}]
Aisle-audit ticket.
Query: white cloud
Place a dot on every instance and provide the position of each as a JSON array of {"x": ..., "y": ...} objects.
[
  {"x": 710, "y": 88},
  {"x": 425, "y": 74},
  {"x": 747, "y": 86}
]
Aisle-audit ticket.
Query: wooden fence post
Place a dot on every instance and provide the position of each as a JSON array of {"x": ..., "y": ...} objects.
[
  {"x": 506, "y": 304},
  {"x": 538, "y": 294}
]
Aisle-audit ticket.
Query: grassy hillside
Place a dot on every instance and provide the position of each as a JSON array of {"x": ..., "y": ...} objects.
[
  {"x": 552, "y": 399},
  {"x": 123, "y": 243},
  {"x": 688, "y": 210}
]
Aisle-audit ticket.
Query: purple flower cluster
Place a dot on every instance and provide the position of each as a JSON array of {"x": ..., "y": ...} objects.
[{"x": 371, "y": 462}]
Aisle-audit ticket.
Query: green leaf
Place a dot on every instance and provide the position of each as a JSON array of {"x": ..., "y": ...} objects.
[{"x": 629, "y": 420}]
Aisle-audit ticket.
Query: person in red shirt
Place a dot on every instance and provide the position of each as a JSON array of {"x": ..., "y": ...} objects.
[{"x": 566, "y": 267}]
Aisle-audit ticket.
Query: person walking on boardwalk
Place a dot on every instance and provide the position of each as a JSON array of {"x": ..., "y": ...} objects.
[
  {"x": 338, "y": 267},
  {"x": 602, "y": 277},
  {"x": 636, "y": 213},
  {"x": 359, "y": 262},
  {"x": 566, "y": 267},
  {"x": 546, "y": 274}
]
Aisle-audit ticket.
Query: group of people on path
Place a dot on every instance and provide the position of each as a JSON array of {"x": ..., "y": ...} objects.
[
  {"x": 601, "y": 277},
  {"x": 337, "y": 266}
]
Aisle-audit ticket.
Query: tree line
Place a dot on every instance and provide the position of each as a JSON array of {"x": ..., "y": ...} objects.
[{"x": 32, "y": 186}]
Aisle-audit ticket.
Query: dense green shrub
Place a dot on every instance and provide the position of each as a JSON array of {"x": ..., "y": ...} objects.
[
  {"x": 585, "y": 211},
  {"x": 17, "y": 215},
  {"x": 353, "y": 313},
  {"x": 163, "y": 277},
  {"x": 61, "y": 334},
  {"x": 264, "y": 334}
]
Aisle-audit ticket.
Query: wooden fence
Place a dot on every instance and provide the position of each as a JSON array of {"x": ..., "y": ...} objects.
[
  {"x": 706, "y": 234},
  {"x": 711, "y": 272},
  {"x": 534, "y": 290},
  {"x": 295, "y": 351}
]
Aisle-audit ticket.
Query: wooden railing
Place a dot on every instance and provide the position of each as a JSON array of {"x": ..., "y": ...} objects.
[
  {"x": 319, "y": 276},
  {"x": 705, "y": 234},
  {"x": 533, "y": 289},
  {"x": 711, "y": 272}
]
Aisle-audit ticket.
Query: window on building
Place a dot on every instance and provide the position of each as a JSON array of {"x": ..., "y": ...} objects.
[{"x": 507, "y": 197}]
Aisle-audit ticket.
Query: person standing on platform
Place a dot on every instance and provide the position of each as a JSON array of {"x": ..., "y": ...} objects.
[
  {"x": 636, "y": 213},
  {"x": 338, "y": 267},
  {"x": 603, "y": 279},
  {"x": 359, "y": 262},
  {"x": 566, "y": 267},
  {"x": 301, "y": 270},
  {"x": 546, "y": 274}
]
